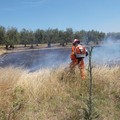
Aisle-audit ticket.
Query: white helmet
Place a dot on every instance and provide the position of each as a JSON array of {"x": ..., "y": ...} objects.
[{"x": 76, "y": 41}]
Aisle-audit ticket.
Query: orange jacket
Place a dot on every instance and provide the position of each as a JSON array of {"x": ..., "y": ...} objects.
[{"x": 72, "y": 56}]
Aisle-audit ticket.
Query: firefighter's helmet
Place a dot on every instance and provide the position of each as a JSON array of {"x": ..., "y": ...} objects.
[{"x": 76, "y": 41}]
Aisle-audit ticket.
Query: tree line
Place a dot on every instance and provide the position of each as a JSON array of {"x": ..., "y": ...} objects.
[{"x": 11, "y": 36}]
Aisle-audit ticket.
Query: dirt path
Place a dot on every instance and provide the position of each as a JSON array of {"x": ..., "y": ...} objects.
[{"x": 21, "y": 48}]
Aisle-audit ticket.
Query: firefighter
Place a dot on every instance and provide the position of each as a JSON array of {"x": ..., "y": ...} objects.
[{"x": 78, "y": 52}]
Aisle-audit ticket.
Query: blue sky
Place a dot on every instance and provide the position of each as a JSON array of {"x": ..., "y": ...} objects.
[{"x": 101, "y": 15}]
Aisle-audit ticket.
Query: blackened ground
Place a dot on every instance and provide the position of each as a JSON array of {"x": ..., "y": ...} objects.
[
  {"x": 36, "y": 59},
  {"x": 52, "y": 58}
]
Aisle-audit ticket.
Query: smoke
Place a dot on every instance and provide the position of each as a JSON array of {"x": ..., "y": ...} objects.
[
  {"x": 107, "y": 53},
  {"x": 50, "y": 58}
]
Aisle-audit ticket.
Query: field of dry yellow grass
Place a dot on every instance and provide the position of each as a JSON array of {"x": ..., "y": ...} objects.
[{"x": 57, "y": 94}]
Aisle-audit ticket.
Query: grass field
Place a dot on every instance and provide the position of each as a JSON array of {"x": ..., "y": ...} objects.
[{"x": 57, "y": 94}]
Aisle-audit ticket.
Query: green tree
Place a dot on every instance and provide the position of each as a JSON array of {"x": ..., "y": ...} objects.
[
  {"x": 68, "y": 35},
  {"x": 55, "y": 36},
  {"x": 62, "y": 37},
  {"x": 49, "y": 36},
  {"x": 2, "y": 34},
  {"x": 24, "y": 37},
  {"x": 77, "y": 35},
  {"x": 39, "y": 36},
  {"x": 12, "y": 37},
  {"x": 95, "y": 36},
  {"x": 31, "y": 38}
]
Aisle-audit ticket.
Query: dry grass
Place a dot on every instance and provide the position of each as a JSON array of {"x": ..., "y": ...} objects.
[
  {"x": 2, "y": 51},
  {"x": 57, "y": 94}
]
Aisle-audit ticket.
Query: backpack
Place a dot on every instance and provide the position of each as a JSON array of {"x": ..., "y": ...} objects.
[{"x": 80, "y": 51}]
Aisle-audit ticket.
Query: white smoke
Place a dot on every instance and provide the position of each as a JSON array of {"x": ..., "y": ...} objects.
[
  {"x": 107, "y": 53},
  {"x": 51, "y": 58}
]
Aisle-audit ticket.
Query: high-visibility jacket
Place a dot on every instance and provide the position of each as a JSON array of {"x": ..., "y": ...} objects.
[
  {"x": 80, "y": 51},
  {"x": 72, "y": 56}
]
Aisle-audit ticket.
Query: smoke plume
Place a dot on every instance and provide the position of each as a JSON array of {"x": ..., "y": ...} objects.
[{"x": 107, "y": 53}]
